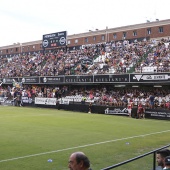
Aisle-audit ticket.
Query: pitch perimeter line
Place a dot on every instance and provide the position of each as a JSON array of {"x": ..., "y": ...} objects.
[{"x": 76, "y": 147}]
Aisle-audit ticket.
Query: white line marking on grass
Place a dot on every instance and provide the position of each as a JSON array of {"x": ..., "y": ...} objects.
[{"x": 83, "y": 146}]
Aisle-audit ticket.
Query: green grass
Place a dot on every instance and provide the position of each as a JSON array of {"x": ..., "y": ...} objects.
[{"x": 31, "y": 136}]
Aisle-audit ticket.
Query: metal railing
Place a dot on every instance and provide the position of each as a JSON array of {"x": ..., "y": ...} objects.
[{"x": 138, "y": 157}]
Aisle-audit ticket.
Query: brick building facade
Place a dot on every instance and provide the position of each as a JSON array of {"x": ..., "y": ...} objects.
[{"x": 149, "y": 30}]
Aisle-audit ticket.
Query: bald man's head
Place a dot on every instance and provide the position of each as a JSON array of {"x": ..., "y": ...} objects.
[{"x": 78, "y": 161}]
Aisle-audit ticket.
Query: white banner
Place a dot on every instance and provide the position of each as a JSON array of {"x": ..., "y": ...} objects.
[
  {"x": 117, "y": 111},
  {"x": 45, "y": 101},
  {"x": 26, "y": 99},
  {"x": 64, "y": 101}
]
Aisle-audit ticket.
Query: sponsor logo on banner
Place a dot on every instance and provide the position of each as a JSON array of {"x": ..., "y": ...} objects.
[
  {"x": 26, "y": 100},
  {"x": 64, "y": 101},
  {"x": 58, "y": 79},
  {"x": 50, "y": 35},
  {"x": 151, "y": 77},
  {"x": 4, "y": 80},
  {"x": 111, "y": 78},
  {"x": 23, "y": 80},
  {"x": 45, "y": 101},
  {"x": 5, "y": 101},
  {"x": 116, "y": 111},
  {"x": 80, "y": 79},
  {"x": 44, "y": 79},
  {"x": 158, "y": 113},
  {"x": 87, "y": 61}
]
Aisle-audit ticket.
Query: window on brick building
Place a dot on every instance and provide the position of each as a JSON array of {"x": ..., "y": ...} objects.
[
  {"x": 76, "y": 41},
  {"x": 160, "y": 29},
  {"x": 7, "y": 51},
  {"x": 134, "y": 33},
  {"x": 68, "y": 42},
  {"x": 16, "y": 49},
  {"x": 94, "y": 38},
  {"x": 40, "y": 46},
  {"x": 114, "y": 36},
  {"x": 149, "y": 30},
  {"x": 103, "y": 37},
  {"x": 86, "y": 40},
  {"x": 124, "y": 35}
]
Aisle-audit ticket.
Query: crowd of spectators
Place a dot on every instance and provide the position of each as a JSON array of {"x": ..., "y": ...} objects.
[
  {"x": 119, "y": 97},
  {"x": 101, "y": 58},
  {"x": 98, "y": 95},
  {"x": 158, "y": 60}
]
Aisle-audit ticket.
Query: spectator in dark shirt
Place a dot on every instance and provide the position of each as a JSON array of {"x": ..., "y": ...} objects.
[{"x": 151, "y": 101}]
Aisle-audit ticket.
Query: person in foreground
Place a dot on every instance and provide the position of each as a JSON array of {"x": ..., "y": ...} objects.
[
  {"x": 78, "y": 161},
  {"x": 167, "y": 163},
  {"x": 160, "y": 158}
]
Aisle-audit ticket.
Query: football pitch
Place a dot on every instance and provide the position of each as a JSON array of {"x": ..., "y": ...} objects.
[{"x": 43, "y": 139}]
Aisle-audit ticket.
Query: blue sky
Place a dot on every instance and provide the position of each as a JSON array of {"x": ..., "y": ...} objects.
[{"x": 27, "y": 20}]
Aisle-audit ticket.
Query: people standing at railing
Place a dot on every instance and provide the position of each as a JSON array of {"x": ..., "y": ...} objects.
[
  {"x": 83, "y": 100},
  {"x": 90, "y": 108},
  {"x": 129, "y": 107},
  {"x": 140, "y": 111},
  {"x": 160, "y": 158},
  {"x": 151, "y": 101},
  {"x": 167, "y": 163}
]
